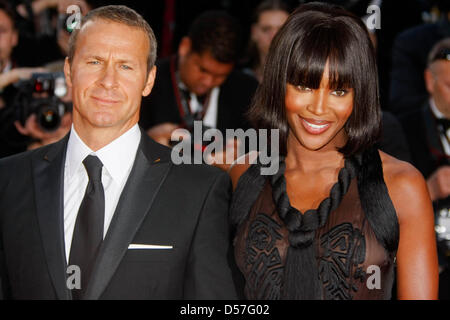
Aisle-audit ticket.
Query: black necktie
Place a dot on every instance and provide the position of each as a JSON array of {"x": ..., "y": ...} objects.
[
  {"x": 444, "y": 122},
  {"x": 88, "y": 232},
  {"x": 197, "y": 115}
]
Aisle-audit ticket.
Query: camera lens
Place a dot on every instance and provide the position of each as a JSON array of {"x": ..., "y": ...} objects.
[{"x": 49, "y": 118}]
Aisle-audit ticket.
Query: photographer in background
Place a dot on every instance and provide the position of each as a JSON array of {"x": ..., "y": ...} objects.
[
  {"x": 11, "y": 141},
  {"x": 32, "y": 117},
  {"x": 200, "y": 82},
  {"x": 42, "y": 26},
  {"x": 17, "y": 136},
  {"x": 42, "y": 106},
  {"x": 427, "y": 125},
  {"x": 427, "y": 128}
]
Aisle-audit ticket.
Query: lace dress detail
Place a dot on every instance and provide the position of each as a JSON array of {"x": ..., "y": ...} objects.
[{"x": 351, "y": 262}]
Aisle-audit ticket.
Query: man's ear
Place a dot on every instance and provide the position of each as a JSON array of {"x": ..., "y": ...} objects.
[
  {"x": 150, "y": 82},
  {"x": 429, "y": 80},
  {"x": 67, "y": 72},
  {"x": 185, "y": 46},
  {"x": 15, "y": 38}
]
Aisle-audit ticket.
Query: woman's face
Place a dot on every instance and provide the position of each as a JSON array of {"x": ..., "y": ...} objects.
[
  {"x": 316, "y": 117},
  {"x": 264, "y": 30}
]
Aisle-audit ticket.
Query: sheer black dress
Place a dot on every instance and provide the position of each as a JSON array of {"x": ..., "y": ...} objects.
[{"x": 352, "y": 250}]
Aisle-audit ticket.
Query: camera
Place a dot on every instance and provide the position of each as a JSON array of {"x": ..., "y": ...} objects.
[{"x": 41, "y": 95}]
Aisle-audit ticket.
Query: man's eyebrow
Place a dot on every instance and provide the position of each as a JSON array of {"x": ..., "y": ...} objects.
[
  {"x": 94, "y": 57},
  {"x": 123, "y": 60},
  {"x": 203, "y": 69},
  {"x": 128, "y": 61}
]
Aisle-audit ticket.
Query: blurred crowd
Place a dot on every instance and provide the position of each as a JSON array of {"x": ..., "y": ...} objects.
[{"x": 210, "y": 64}]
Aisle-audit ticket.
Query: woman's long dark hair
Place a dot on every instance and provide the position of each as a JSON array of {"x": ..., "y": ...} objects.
[{"x": 314, "y": 34}]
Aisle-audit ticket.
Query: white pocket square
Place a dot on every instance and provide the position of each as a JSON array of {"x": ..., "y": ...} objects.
[{"x": 149, "y": 247}]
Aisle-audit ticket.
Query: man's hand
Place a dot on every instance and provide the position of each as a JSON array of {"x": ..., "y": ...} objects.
[
  {"x": 439, "y": 183},
  {"x": 17, "y": 74},
  {"x": 224, "y": 159},
  {"x": 161, "y": 133},
  {"x": 33, "y": 130},
  {"x": 61, "y": 5}
]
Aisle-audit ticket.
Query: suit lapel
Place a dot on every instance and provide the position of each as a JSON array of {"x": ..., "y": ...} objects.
[
  {"x": 48, "y": 173},
  {"x": 146, "y": 177}
]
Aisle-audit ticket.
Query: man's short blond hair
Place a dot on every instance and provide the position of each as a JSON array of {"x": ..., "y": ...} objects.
[{"x": 118, "y": 14}]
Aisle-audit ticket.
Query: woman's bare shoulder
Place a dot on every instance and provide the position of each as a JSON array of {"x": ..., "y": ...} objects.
[
  {"x": 406, "y": 186},
  {"x": 241, "y": 165},
  {"x": 394, "y": 168}
]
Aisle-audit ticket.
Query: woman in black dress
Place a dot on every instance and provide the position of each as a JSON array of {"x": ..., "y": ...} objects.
[{"x": 339, "y": 218}]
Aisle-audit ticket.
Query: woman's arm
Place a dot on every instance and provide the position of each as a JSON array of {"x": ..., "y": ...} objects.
[{"x": 417, "y": 263}]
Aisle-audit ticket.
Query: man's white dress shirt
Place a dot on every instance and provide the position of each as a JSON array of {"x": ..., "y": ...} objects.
[
  {"x": 117, "y": 158},
  {"x": 210, "y": 118}
]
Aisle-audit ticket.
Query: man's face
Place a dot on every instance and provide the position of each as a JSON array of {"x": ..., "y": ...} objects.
[
  {"x": 200, "y": 72},
  {"x": 8, "y": 37},
  {"x": 437, "y": 79},
  {"x": 108, "y": 75}
]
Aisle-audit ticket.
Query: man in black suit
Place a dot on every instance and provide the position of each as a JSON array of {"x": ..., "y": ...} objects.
[
  {"x": 427, "y": 129},
  {"x": 104, "y": 213},
  {"x": 199, "y": 83},
  {"x": 409, "y": 61}
]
